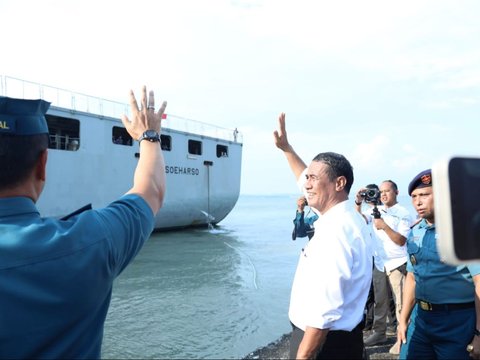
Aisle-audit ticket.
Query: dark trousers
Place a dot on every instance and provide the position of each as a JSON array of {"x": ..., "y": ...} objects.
[
  {"x": 442, "y": 334},
  {"x": 338, "y": 345}
]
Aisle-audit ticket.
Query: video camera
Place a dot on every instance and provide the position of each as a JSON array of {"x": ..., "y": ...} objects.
[{"x": 371, "y": 196}]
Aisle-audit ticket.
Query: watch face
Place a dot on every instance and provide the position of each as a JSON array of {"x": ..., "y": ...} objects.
[{"x": 150, "y": 135}]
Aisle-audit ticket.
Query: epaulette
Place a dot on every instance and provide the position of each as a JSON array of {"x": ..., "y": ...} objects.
[
  {"x": 76, "y": 212},
  {"x": 416, "y": 223}
]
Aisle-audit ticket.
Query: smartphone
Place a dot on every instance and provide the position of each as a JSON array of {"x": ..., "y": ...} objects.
[{"x": 456, "y": 190}]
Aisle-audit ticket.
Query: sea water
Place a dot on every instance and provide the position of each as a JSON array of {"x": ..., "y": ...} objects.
[
  {"x": 216, "y": 293},
  {"x": 208, "y": 293}
]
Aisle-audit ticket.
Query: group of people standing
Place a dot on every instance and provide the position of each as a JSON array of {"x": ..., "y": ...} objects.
[
  {"x": 437, "y": 305},
  {"x": 56, "y": 275}
]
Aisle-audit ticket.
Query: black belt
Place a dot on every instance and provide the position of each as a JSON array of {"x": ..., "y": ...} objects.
[{"x": 425, "y": 305}]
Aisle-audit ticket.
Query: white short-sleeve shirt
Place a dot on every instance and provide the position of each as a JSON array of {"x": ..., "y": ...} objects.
[
  {"x": 398, "y": 219},
  {"x": 334, "y": 272}
]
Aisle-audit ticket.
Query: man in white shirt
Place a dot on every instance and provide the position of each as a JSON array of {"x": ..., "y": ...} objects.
[
  {"x": 391, "y": 231},
  {"x": 333, "y": 275}
]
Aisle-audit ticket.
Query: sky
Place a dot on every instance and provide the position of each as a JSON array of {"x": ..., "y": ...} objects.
[{"x": 393, "y": 86}]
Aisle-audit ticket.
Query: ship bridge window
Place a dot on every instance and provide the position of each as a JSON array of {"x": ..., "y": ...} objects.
[
  {"x": 64, "y": 133},
  {"x": 222, "y": 151},
  {"x": 166, "y": 141},
  {"x": 194, "y": 147},
  {"x": 120, "y": 136}
]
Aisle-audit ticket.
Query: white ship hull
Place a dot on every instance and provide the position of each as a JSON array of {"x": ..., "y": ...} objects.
[{"x": 86, "y": 165}]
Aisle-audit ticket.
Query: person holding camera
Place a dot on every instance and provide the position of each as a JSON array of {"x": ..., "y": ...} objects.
[
  {"x": 371, "y": 193},
  {"x": 334, "y": 270},
  {"x": 391, "y": 227},
  {"x": 303, "y": 226},
  {"x": 441, "y": 302}
]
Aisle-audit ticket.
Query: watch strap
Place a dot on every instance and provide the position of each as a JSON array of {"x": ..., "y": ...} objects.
[{"x": 150, "y": 135}]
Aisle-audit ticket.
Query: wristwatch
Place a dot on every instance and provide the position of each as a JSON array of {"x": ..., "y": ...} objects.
[{"x": 150, "y": 135}]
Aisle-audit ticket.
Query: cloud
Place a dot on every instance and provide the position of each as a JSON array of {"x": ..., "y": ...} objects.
[
  {"x": 464, "y": 78},
  {"x": 372, "y": 152},
  {"x": 452, "y": 103},
  {"x": 367, "y": 79}
]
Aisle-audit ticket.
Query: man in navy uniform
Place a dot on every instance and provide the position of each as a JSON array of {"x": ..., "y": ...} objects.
[
  {"x": 440, "y": 301},
  {"x": 56, "y": 275},
  {"x": 303, "y": 226}
]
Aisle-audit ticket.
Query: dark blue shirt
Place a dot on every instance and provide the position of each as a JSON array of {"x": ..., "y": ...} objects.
[
  {"x": 436, "y": 281},
  {"x": 56, "y": 276},
  {"x": 303, "y": 226}
]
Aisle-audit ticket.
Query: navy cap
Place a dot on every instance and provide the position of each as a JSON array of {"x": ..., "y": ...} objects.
[
  {"x": 23, "y": 117},
  {"x": 423, "y": 179}
]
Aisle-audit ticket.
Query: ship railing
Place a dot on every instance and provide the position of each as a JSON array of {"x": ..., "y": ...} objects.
[{"x": 14, "y": 87}]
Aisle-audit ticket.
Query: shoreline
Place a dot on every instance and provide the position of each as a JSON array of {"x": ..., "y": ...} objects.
[{"x": 279, "y": 349}]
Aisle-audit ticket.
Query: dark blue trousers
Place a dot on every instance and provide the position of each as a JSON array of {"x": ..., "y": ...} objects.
[{"x": 439, "y": 334}]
